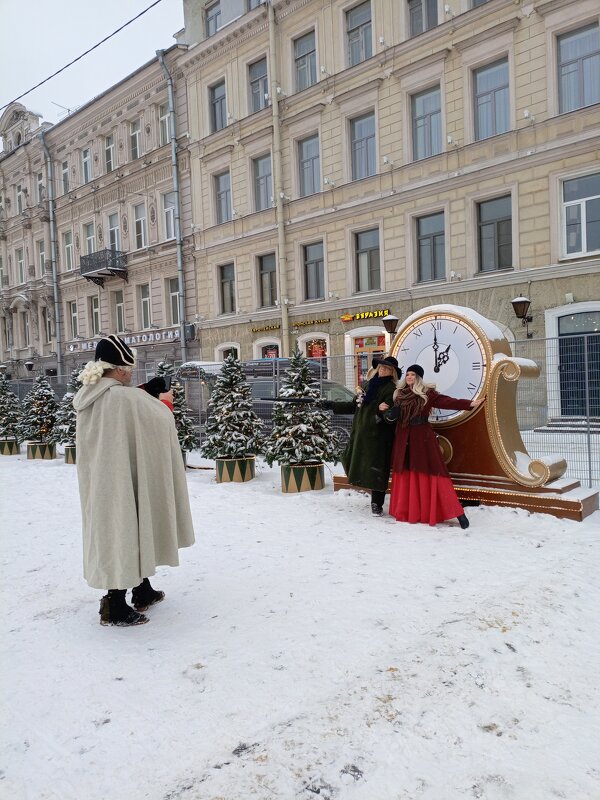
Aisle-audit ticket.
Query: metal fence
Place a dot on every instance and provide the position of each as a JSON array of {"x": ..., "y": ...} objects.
[{"x": 557, "y": 413}]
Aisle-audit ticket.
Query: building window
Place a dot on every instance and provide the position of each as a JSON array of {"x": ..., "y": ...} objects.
[
  {"x": 19, "y": 198},
  {"x": 40, "y": 187},
  {"x": 109, "y": 153},
  {"x": 20, "y": 261},
  {"x": 427, "y": 123},
  {"x": 25, "y": 328},
  {"x": 114, "y": 232},
  {"x": 261, "y": 168},
  {"x": 305, "y": 61},
  {"x": 314, "y": 272},
  {"x": 213, "y": 18},
  {"x": 227, "y": 283},
  {"x": 492, "y": 103},
  {"x": 309, "y": 170},
  {"x": 169, "y": 214},
  {"x": 362, "y": 144},
  {"x": 173, "y": 300},
  {"x": 431, "y": 254},
  {"x": 90, "y": 238},
  {"x": 579, "y": 68},
  {"x": 218, "y": 107},
  {"x": 141, "y": 233},
  {"x": 475, "y": 3},
  {"x": 259, "y": 85},
  {"x": 267, "y": 279},
  {"x": 41, "y": 255},
  {"x": 73, "y": 318},
  {"x": 163, "y": 125},
  {"x": 86, "y": 165},
  {"x": 494, "y": 220},
  {"x": 119, "y": 311},
  {"x": 65, "y": 176},
  {"x": 250, "y": 4},
  {"x": 366, "y": 245},
  {"x": 358, "y": 33},
  {"x": 94, "y": 315},
  {"x": 581, "y": 198},
  {"x": 422, "y": 15},
  {"x": 47, "y": 324},
  {"x": 145, "y": 306},
  {"x": 223, "y": 197},
  {"x": 135, "y": 139},
  {"x": 68, "y": 250}
]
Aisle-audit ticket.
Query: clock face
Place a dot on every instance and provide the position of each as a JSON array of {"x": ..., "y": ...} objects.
[{"x": 452, "y": 354}]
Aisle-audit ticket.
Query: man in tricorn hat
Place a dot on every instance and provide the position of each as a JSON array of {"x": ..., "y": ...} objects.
[
  {"x": 367, "y": 457},
  {"x": 134, "y": 500}
]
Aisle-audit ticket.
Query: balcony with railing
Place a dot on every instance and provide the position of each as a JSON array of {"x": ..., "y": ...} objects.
[{"x": 98, "y": 266}]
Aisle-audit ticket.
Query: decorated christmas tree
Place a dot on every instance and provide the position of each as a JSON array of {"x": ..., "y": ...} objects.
[
  {"x": 184, "y": 423},
  {"x": 301, "y": 432},
  {"x": 66, "y": 417},
  {"x": 10, "y": 411},
  {"x": 39, "y": 412},
  {"x": 233, "y": 429}
]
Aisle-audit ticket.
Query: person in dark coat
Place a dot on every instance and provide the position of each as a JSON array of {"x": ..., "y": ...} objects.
[
  {"x": 422, "y": 490},
  {"x": 367, "y": 456}
]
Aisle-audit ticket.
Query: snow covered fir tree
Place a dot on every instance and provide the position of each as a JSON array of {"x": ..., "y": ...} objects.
[
  {"x": 66, "y": 417},
  {"x": 301, "y": 433},
  {"x": 233, "y": 429},
  {"x": 39, "y": 417},
  {"x": 10, "y": 418},
  {"x": 184, "y": 422}
]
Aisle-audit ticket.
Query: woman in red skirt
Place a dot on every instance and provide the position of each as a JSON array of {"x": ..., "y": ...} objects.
[{"x": 421, "y": 487}]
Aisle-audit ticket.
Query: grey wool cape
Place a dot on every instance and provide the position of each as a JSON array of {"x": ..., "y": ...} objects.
[{"x": 134, "y": 500}]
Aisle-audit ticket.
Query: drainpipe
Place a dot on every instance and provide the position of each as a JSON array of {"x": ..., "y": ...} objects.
[
  {"x": 282, "y": 287},
  {"x": 51, "y": 215},
  {"x": 175, "y": 173}
]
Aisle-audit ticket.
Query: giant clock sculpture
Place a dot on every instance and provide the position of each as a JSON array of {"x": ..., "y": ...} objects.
[{"x": 466, "y": 355}]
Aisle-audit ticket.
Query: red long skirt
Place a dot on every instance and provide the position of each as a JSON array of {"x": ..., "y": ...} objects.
[{"x": 419, "y": 497}]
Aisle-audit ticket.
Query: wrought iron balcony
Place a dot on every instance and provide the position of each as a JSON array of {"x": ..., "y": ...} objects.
[{"x": 103, "y": 264}]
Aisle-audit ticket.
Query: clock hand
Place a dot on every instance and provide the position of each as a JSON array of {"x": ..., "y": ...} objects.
[
  {"x": 443, "y": 358},
  {"x": 435, "y": 347}
]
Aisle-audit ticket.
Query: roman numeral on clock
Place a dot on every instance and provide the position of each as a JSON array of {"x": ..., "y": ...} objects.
[
  {"x": 476, "y": 365},
  {"x": 471, "y": 387},
  {"x": 470, "y": 344},
  {"x": 418, "y": 332}
]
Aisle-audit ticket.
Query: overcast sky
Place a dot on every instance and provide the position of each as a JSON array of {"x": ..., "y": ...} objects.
[{"x": 37, "y": 37}]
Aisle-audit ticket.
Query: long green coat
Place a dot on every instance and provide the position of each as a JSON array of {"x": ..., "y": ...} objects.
[{"x": 367, "y": 458}]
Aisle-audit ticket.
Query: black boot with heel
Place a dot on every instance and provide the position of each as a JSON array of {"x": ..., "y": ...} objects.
[
  {"x": 144, "y": 596},
  {"x": 463, "y": 521},
  {"x": 115, "y": 611}
]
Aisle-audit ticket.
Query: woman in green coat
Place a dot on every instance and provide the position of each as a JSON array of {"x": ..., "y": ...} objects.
[{"x": 367, "y": 457}]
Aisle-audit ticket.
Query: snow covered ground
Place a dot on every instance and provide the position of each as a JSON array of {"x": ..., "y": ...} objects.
[{"x": 305, "y": 649}]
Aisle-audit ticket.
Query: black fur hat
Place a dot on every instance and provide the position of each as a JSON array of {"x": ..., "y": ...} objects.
[
  {"x": 113, "y": 350},
  {"x": 417, "y": 369}
]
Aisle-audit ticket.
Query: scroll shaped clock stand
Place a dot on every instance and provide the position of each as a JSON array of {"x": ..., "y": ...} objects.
[{"x": 496, "y": 469}]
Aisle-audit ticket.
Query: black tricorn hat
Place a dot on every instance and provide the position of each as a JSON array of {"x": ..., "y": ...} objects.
[
  {"x": 417, "y": 369},
  {"x": 113, "y": 350}
]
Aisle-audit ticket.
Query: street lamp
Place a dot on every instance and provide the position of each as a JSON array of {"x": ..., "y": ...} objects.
[
  {"x": 390, "y": 323},
  {"x": 29, "y": 366},
  {"x": 521, "y": 307},
  {"x": 3, "y": 369}
]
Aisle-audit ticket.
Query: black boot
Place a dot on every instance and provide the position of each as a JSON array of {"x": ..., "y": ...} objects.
[
  {"x": 115, "y": 611},
  {"x": 377, "y": 510},
  {"x": 464, "y": 522},
  {"x": 144, "y": 595}
]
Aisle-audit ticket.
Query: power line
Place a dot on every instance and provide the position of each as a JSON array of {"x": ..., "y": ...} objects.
[{"x": 62, "y": 69}]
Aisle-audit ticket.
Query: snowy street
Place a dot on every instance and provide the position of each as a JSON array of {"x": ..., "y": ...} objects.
[{"x": 305, "y": 649}]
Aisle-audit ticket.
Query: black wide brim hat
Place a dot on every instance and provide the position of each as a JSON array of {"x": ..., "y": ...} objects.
[
  {"x": 387, "y": 361},
  {"x": 417, "y": 369},
  {"x": 113, "y": 350}
]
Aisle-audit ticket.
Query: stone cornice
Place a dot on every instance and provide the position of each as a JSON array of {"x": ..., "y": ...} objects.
[
  {"x": 422, "y": 63},
  {"x": 552, "y": 5},
  {"x": 490, "y": 33}
]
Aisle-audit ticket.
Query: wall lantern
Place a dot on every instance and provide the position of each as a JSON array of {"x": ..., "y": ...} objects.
[
  {"x": 521, "y": 307},
  {"x": 390, "y": 323}
]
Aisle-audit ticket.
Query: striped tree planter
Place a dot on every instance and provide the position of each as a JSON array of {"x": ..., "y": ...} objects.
[
  {"x": 235, "y": 470},
  {"x": 70, "y": 456},
  {"x": 302, "y": 477},
  {"x": 42, "y": 450},
  {"x": 9, "y": 447}
]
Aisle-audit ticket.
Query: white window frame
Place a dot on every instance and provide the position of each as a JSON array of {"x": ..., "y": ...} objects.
[
  {"x": 89, "y": 235},
  {"x": 308, "y": 58},
  {"x": 363, "y": 36},
  {"x": 40, "y": 187},
  {"x": 86, "y": 165},
  {"x": 64, "y": 171},
  {"x": 68, "y": 250},
  {"x": 220, "y": 283},
  {"x": 259, "y": 179},
  {"x": 584, "y": 252},
  {"x": 222, "y": 199},
  {"x": 318, "y": 182},
  {"x": 145, "y": 301},
  {"x": 20, "y": 264},
  {"x": 47, "y": 324},
  {"x": 135, "y": 139},
  {"x": 261, "y": 84},
  {"x": 140, "y": 226},
  {"x": 119, "y": 310},
  {"x": 73, "y": 317},
  {"x": 163, "y": 125},
  {"x": 19, "y": 195},
  {"x": 94, "y": 306},
  {"x": 25, "y": 328},
  {"x": 169, "y": 214},
  {"x": 173, "y": 300},
  {"x": 41, "y": 255},
  {"x": 109, "y": 152},
  {"x": 351, "y": 283},
  {"x": 114, "y": 232}
]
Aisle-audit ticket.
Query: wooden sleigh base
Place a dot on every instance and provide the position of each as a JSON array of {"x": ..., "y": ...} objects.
[{"x": 562, "y": 498}]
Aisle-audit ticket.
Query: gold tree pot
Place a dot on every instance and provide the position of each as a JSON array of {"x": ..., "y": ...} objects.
[
  {"x": 302, "y": 477},
  {"x": 235, "y": 470}
]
